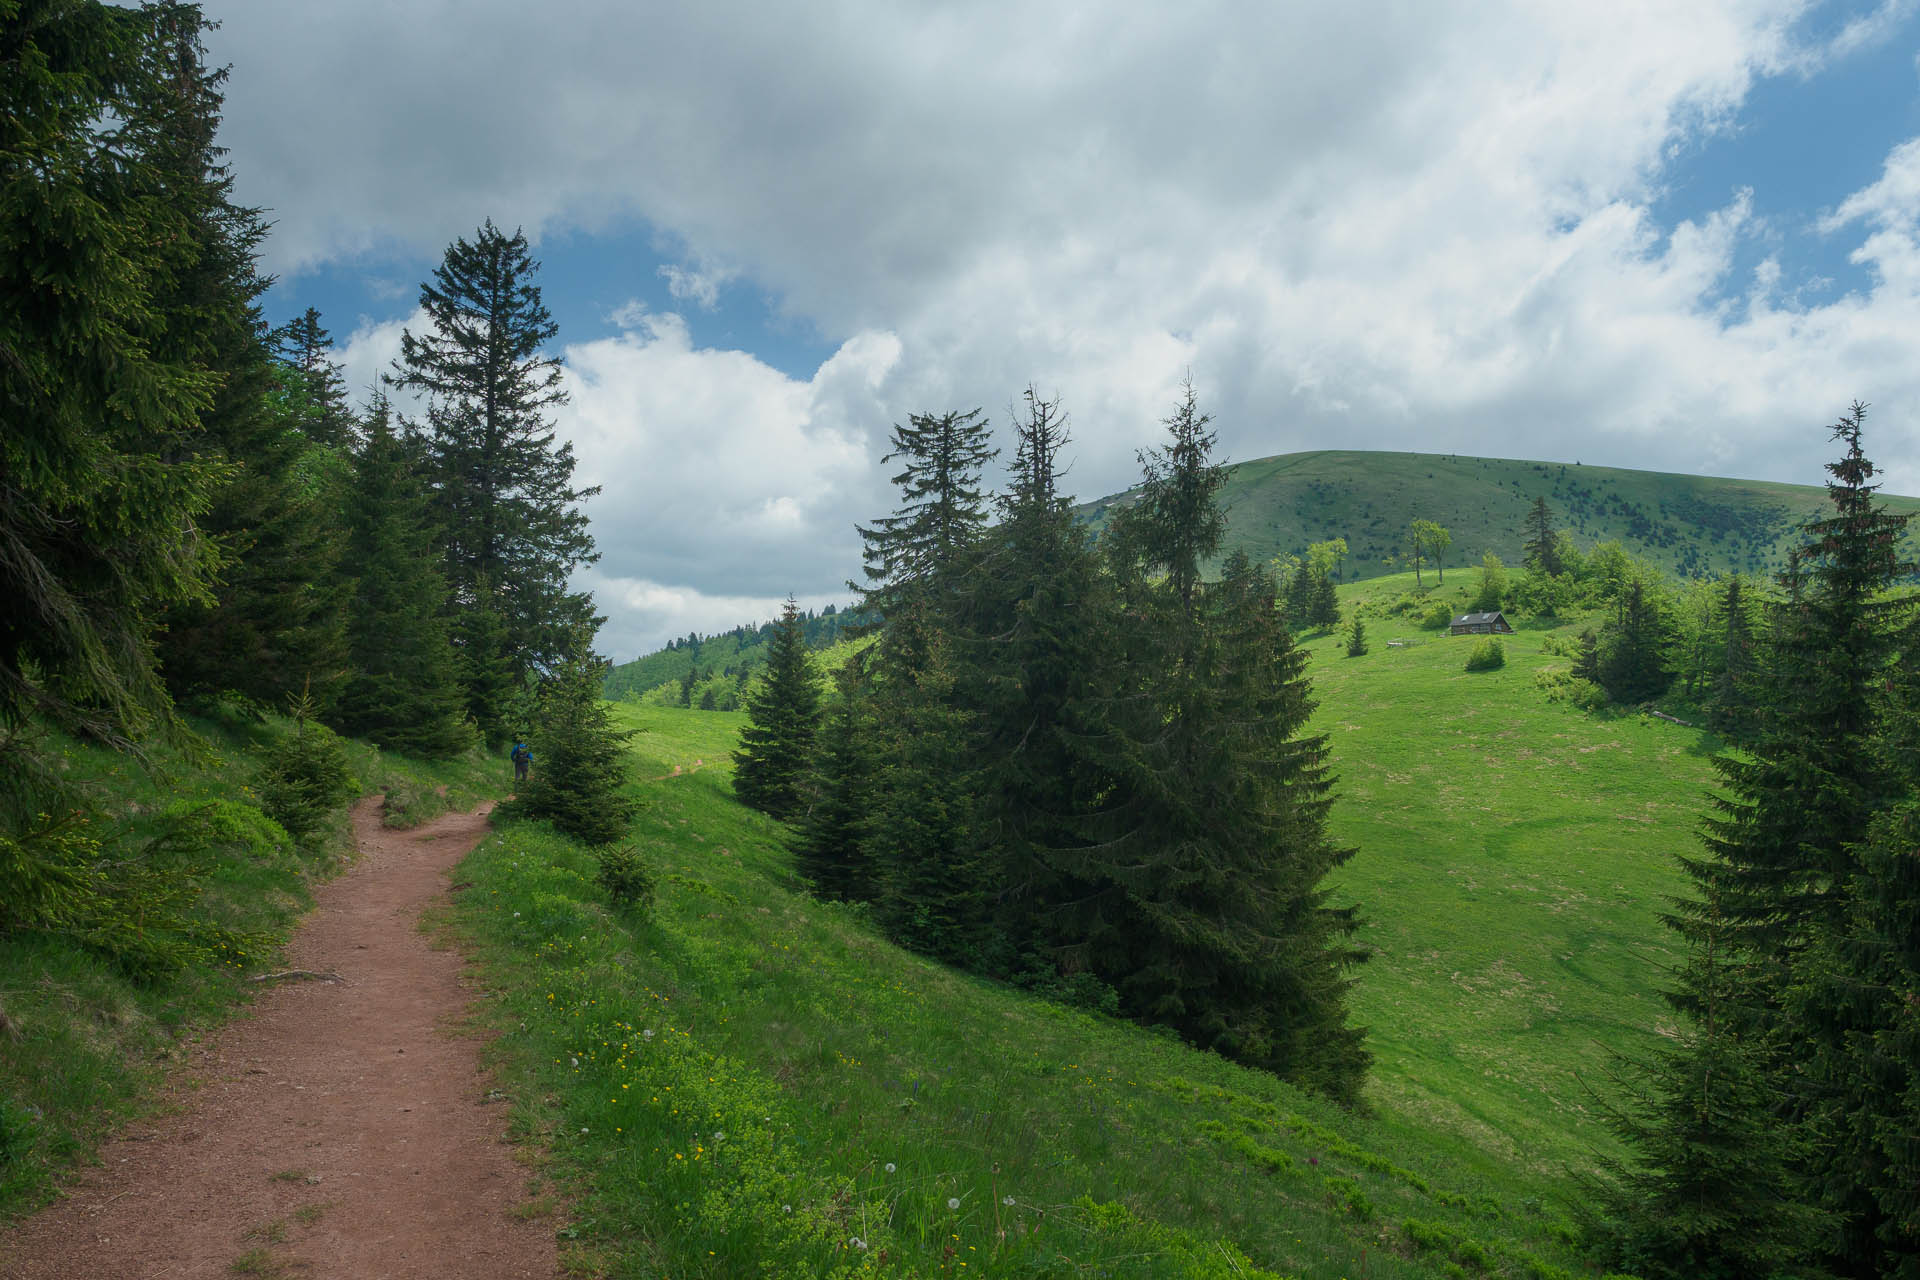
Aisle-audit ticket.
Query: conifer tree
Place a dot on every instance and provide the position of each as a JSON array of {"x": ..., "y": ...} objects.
[
  {"x": 1542, "y": 544},
  {"x": 1633, "y": 664},
  {"x": 107, "y": 474},
  {"x": 830, "y": 833},
  {"x": 920, "y": 546},
  {"x": 1716, "y": 1192},
  {"x": 1729, "y": 700},
  {"x": 1786, "y": 875},
  {"x": 923, "y": 840},
  {"x": 581, "y": 764},
  {"x": 502, "y": 484},
  {"x": 783, "y": 716},
  {"x": 277, "y": 622},
  {"x": 403, "y": 692},
  {"x": 307, "y": 348},
  {"x": 1212, "y": 919},
  {"x": 1031, "y": 645}
]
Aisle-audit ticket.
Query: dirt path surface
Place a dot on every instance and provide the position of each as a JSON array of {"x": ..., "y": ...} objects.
[{"x": 339, "y": 1131}]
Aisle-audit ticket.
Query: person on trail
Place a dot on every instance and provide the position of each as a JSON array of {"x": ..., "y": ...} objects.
[{"x": 522, "y": 757}]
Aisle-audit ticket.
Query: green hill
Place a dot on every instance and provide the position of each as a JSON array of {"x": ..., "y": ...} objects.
[
  {"x": 734, "y": 653},
  {"x": 1692, "y": 526}
]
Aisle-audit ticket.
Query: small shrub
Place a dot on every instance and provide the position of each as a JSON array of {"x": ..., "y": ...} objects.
[
  {"x": 1438, "y": 617},
  {"x": 626, "y": 877},
  {"x": 1488, "y": 655}
]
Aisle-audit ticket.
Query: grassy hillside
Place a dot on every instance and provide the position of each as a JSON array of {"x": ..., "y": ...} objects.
[
  {"x": 83, "y": 1041},
  {"x": 750, "y": 1078},
  {"x": 1693, "y": 526},
  {"x": 743, "y": 649}
]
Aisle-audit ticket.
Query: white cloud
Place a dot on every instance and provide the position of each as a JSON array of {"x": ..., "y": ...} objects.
[
  {"x": 1359, "y": 225},
  {"x": 702, "y": 288}
]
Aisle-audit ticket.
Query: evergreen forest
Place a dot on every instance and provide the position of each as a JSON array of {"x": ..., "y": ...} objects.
[{"x": 1156, "y": 886}]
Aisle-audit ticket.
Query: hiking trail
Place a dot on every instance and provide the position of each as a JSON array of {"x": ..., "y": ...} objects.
[{"x": 341, "y": 1127}]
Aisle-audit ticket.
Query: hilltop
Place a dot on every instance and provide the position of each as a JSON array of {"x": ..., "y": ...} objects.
[{"x": 1690, "y": 526}]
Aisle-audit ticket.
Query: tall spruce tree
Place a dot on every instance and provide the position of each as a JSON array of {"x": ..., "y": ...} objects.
[
  {"x": 403, "y": 692},
  {"x": 305, "y": 347},
  {"x": 1542, "y": 543},
  {"x": 277, "y": 623},
  {"x": 1032, "y": 645},
  {"x": 106, "y": 474},
  {"x": 502, "y": 484},
  {"x": 1212, "y": 919},
  {"x": 830, "y": 834},
  {"x": 783, "y": 717},
  {"x": 1633, "y": 664},
  {"x": 923, "y": 841},
  {"x": 1729, "y": 700},
  {"x": 920, "y": 546},
  {"x": 1784, "y": 877}
]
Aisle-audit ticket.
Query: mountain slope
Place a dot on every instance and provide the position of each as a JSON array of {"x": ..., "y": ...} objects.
[{"x": 1693, "y": 526}]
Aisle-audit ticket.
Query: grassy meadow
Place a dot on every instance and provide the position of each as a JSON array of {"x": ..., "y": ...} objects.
[{"x": 745, "y": 1081}]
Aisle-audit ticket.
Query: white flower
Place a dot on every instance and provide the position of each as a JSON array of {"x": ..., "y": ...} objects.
[
  {"x": 857, "y": 1242},
  {"x": 786, "y": 1208},
  {"x": 648, "y": 1033},
  {"x": 889, "y": 1166},
  {"x": 584, "y": 1129},
  {"x": 574, "y": 1061},
  {"x": 719, "y": 1136},
  {"x": 1007, "y": 1201},
  {"x": 516, "y": 915},
  {"x": 953, "y": 1203}
]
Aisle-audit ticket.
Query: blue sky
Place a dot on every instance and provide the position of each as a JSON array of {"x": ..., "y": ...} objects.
[{"x": 1680, "y": 237}]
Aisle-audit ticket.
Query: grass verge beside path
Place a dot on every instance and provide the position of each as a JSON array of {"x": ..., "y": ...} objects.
[
  {"x": 750, "y": 1082},
  {"x": 84, "y": 1044}
]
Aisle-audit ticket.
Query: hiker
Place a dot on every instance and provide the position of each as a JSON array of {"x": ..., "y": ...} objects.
[{"x": 522, "y": 757}]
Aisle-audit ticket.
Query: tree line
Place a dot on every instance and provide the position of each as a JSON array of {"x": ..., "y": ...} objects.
[
  {"x": 192, "y": 513},
  {"x": 1078, "y": 765}
]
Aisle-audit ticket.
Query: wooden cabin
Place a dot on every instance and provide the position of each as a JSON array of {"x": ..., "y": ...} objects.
[{"x": 1482, "y": 624}]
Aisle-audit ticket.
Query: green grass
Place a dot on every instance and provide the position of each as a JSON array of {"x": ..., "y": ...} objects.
[
  {"x": 85, "y": 1042},
  {"x": 1513, "y": 856},
  {"x": 1692, "y": 526},
  {"x": 725, "y": 1083}
]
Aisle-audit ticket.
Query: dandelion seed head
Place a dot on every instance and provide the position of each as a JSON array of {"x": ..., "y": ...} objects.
[
  {"x": 889, "y": 1166},
  {"x": 953, "y": 1202}
]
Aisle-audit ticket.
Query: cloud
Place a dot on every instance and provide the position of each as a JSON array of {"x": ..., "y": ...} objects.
[
  {"x": 702, "y": 288},
  {"x": 1363, "y": 225}
]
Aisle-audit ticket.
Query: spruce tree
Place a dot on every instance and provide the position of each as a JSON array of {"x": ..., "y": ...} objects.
[
  {"x": 829, "y": 843},
  {"x": 580, "y": 760},
  {"x": 919, "y": 547},
  {"x": 502, "y": 485},
  {"x": 1633, "y": 665},
  {"x": 923, "y": 840},
  {"x": 1729, "y": 700},
  {"x": 1716, "y": 1193},
  {"x": 103, "y": 451},
  {"x": 1211, "y": 917},
  {"x": 1786, "y": 879},
  {"x": 277, "y": 622},
  {"x": 1031, "y": 644},
  {"x": 403, "y": 692},
  {"x": 306, "y": 348},
  {"x": 1542, "y": 545},
  {"x": 783, "y": 715}
]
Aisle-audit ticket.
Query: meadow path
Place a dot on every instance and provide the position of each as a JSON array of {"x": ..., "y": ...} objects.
[{"x": 340, "y": 1130}]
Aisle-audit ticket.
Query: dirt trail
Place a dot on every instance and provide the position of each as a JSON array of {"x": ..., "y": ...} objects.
[{"x": 339, "y": 1131}]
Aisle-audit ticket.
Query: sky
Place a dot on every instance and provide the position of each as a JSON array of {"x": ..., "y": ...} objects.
[{"x": 1639, "y": 233}]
